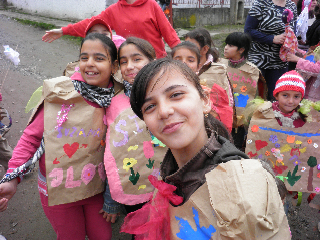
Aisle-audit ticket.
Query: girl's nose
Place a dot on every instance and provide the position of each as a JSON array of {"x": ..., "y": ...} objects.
[
  {"x": 164, "y": 110},
  {"x": 90, "y": 61},
  {"x": 130, "y": 65}
]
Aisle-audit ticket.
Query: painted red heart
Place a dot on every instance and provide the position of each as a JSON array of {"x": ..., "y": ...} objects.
[
  {"x": 56, "y": 161},
  {"x": 252, "y": 155},
  {"x": 279, "y": 169},
  {"x": 70, "y": 150},
  {"x": 260, "y": 144}
]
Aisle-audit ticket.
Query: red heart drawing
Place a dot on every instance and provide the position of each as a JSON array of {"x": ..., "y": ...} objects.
[
  {"x": 56, "y": 161},
  {"x": 279, "y": 169},
  {"x": 252, "y": 155},
  {"x": 260, "y": 144},
  {"x": 70, "y": 150}
]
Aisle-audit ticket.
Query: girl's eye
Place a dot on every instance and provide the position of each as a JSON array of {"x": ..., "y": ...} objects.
[
  {"x": 137, "y": 59},
  {"x": 148, "y": 108},
  {"x": 176, "y": 94},
  {"x": 100, "y": 59},
  {"x": 83, "y": 58},
  {"x": 122, "y": 62}
]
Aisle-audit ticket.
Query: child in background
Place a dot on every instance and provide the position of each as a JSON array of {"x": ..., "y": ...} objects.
[
  {"x": 289, "y": 91},
  {"x": 246, "y": 80},
  {"x": 133, "y": 155},
  {"x": 210, "y": 70},
  {"x": 188, "y": 53},
  {"x": 129, "y": 18},
  {"x": 72, "y": 144},
  {"x": 167, "y": 95},
  {"x": 310, "y": 71}
]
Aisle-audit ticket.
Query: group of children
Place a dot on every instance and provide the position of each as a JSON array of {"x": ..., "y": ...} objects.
[{"x": 162, "y": 119}]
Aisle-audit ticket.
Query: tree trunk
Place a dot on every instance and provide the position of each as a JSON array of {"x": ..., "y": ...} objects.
[{"x": 310, "y": 178}]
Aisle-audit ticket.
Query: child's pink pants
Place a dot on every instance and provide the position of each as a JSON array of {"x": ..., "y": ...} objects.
[{"x": 73, "y": 221}]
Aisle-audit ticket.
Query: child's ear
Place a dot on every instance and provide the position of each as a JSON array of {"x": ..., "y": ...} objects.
[
  {"x": 204, "y": 50},
  {"x": 241, "y": 50},
  {"x": 276, "y": 96},
  {"x": 115, "y": 67},
  {"x": 206, "y": 102}
]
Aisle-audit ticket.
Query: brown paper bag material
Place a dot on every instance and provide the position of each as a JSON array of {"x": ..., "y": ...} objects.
[
  {"x": 73, "y": 151},
  {"x": 291, "y": 152},
  {"x": 246, "y": 201}
]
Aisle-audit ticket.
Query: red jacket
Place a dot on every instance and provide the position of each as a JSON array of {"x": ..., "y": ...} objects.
[{"x": 143, "y": 19}]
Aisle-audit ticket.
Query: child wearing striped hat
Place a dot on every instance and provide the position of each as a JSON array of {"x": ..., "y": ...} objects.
[{"x": 289, "y": 91}]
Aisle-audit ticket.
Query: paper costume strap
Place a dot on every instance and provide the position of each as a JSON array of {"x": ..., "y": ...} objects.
[{"x": 27, "y": 167}]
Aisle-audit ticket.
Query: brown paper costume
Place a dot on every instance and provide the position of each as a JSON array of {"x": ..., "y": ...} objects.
[
  {"x": 131, "y": 154},
  {"x": 245, "y": 81},
  {"x": 74, "y": 151},
  {"x": 293, "y": 153},
  {"x": 239, "y": 200},
  {"x": 217, "y": 74}
]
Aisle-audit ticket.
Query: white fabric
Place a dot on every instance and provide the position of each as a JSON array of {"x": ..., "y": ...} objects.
[{"x": 302, "y": 21}]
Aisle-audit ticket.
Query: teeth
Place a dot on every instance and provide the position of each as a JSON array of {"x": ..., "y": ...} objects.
[{"x": 91, "y": 73}]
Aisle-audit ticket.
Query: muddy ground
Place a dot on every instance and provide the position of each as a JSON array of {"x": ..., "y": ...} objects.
[{"x": 24, "y": 219}]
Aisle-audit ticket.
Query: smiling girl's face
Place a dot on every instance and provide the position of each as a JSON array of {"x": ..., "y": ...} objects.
[
  {"x": 95, "y": 64},
  {"x": 174, "y": 112},
  {"x": 131, "y": 61}
]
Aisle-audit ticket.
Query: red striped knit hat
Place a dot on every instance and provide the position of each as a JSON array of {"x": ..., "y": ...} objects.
[{"x": 290, "y": 81}]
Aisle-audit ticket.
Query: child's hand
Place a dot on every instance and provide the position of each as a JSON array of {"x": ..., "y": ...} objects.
[
  {"x": 279, "y": 39},
  {"x": 292, "y": 57},
  {"x": 52, "y": 35},
  {"x": 7, "y": 190},
  {"x": 109, "y": 217}
]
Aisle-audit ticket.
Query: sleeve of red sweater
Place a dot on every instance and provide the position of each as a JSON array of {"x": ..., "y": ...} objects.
[
  {"x": 79, "y": 29},
  {"x": 167, "y": 31},
  {"x": 29, "y": 141}
]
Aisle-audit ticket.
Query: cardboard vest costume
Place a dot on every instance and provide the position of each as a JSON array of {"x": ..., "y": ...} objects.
[
  {"x": 217, "y": 74},
  {"x": 73, "y": 151},
  {"x": 293, "y": 153},
  {"x": 244, "y": 81},
  {"x": 239, "y": 200},
  {"x": 131, "y": 154},
  {"x": 216, "y": 79}
]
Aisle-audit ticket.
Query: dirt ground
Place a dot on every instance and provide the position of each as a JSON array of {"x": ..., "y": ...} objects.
[{"x": 24, "y": 219}]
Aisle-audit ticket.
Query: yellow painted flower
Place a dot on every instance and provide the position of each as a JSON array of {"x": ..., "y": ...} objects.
[{"x": 128, "y": 163}]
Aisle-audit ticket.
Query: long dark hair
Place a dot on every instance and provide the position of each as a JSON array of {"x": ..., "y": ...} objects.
[
  {"x": 152, "y": 69},
  {"x": 203, "y": 37}
]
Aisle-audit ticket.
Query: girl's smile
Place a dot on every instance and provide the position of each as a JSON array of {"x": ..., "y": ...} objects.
[
  {"x": 174, "y": 112},
  {"x": 95, "y": 64}
]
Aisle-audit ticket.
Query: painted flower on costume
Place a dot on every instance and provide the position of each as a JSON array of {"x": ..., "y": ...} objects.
[
  {"x": 128, "y": 163},
  {"x": 297, "y": 162},
  {"x": 254, "y": 128},
  {"x": 273, "y": 139}
]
